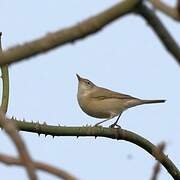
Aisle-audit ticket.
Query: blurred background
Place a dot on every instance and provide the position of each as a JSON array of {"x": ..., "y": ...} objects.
[{"x": 126, "y": 56}]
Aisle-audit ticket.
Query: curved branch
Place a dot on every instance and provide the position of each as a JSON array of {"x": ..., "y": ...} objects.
[
  {"x": 158, "y": 27},
  {"x": 68, "y": 35},
  {"x": 5, "y": 84},
  {"x": 10, "y": 129},
  {"x": 166, "y": 9},
  {"x": 119, "y": 134},
  {"x": 39, "y": 165}
]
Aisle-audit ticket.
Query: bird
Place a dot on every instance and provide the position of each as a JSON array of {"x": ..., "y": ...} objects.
[{"x": 105, "y": 104}]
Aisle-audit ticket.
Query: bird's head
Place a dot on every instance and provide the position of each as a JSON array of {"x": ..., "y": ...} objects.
[{"x": 84, "y": 84}]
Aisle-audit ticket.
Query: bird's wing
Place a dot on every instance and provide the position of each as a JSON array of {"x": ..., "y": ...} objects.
[{"x": 103, "y": 93}]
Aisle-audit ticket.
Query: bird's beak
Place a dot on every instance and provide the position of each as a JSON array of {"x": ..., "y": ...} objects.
[{"x": 79, "y": 78}]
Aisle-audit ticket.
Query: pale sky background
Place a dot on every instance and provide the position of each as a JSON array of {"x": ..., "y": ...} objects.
[{"x": 126, "y": 56}]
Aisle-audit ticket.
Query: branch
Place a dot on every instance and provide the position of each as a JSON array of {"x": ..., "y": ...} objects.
[
  {"x": 119, "y": 134},
  {"x": 10, "y": 129},
  {"x": 5, "y": 84},
  {"x": 178, "y": 6},
  {"x": 68, "y": 35},
  {"x": 88, "y": 27},
  {"x": 8, "y": 160},
  {"x": 157, "y": 166},
  {"x": 158, "y": 27},
  {"x": 166, "y": 9}
]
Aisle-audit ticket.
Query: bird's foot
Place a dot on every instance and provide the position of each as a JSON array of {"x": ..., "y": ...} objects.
[
  {"x": 115, "y": 125},
  {"x": 97, "y": 125}
]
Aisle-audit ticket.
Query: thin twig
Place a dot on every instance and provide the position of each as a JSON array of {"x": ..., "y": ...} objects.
[
  {"x": 5, "y": 84},
  {"x": 178, "y": 7},
  {"x": 166, "y": 9},
  {"x": 68, "y": 35},
  {"x": 160, "y": 30},
  {"x": 8, "y": 160},
  {"x": 10, "y": 129},
  {"x": 112, "y": 133},
  {"x": 157, "y": 166}
]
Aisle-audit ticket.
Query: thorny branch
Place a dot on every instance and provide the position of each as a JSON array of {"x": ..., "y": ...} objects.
[
  {"x": 71, "y": 34},
  {"x": 5, "y": 84},
  {"x": 10, "y": 127},
  {"x": 112, "y": 133},
  {"x": 68, "y": 35},
  {"x": 89, "y": 27}
]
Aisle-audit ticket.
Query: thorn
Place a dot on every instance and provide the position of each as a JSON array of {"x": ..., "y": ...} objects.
[
  {"x": 45, "y": 135},
  {"x": 77, "y": 137},
  {"x": 53, "y": 136},
  {"x": 44, "y": 123},
  {"x": 39, "y": 134},
  {"x": 95, "y": 137},
  {"x": 48, "y": 33}
]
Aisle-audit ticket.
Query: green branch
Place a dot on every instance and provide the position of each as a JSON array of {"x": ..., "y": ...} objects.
[
  {"x": 119, "y": 134},
  {"x": 5, "y": 84}
]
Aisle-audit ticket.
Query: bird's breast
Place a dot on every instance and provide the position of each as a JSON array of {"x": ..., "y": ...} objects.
[{"x": 99, "y": 108}]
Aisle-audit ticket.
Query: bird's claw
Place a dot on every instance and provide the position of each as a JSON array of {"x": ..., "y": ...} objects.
[
  {"x": 114, "y": 124},
  {"x": 97, "y": 125}
]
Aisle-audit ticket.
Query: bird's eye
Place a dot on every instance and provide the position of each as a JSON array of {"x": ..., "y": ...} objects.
[{"x": 88, "y": 83}]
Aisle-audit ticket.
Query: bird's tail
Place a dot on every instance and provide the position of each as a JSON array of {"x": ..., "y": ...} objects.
[{"x": 153, "y": 101}]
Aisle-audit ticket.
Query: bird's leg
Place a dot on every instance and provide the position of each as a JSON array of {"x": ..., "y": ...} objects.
[
  {"x": 115, "y": 123},
  {"x": 102, "y": 121}
]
